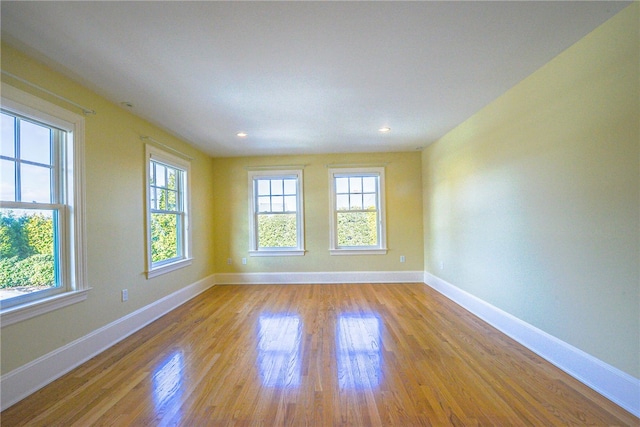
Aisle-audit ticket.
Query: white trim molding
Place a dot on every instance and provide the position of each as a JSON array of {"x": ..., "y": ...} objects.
[
  {"x": 182, "y": 210},
  {"x": 326, "y": 277},
  {"x": 382, "y": 251},
  {"x": 335, "y": 173},
  {"x": 36, "y": 308},
  {"x": 612, "y": 383},
  {"x": 277, "y": 252},
  {"x": 69, "y": 198},
  {"x": 27, "y": 379},
  {"x": 255, "y": 211}
]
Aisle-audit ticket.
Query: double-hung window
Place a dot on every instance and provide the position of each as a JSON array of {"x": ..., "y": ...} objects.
[
  {"x": 42, "y": 261},
  {"x": 276, "y": 213},
  {"x": 168, "y": 231},
  {"x": 357, "y": 222}
]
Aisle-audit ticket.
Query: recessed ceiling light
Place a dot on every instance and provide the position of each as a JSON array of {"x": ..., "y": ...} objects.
[
  {"x": 242, "y": 134},
  {"x": 384, "y": 129}
]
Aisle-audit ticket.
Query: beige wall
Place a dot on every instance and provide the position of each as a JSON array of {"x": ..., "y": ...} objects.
[
  {"x": 533, "y": 203},
  {"x": 114, "y": 217},
  {"x": 403, "y": 209}
]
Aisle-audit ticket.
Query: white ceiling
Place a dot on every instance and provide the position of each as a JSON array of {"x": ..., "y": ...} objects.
[{"x": 301, "y": 77}]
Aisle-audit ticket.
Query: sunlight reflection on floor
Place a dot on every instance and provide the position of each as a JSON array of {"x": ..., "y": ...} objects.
[
  {"x": 358, "y": 351},
  {"x": 279, "y": 358},
  {"x": 167, "y": 381}
]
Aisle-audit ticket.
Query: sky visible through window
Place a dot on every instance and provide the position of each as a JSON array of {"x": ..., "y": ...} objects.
[{"x": 35, "y": 148}]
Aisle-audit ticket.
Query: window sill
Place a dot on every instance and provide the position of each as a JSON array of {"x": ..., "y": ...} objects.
[
  {"x": 358, "y": 251},
  {"x": 167, "y": 268},
  {"x": 278, "y": 252},
  {"x": 36, "y": 308}
]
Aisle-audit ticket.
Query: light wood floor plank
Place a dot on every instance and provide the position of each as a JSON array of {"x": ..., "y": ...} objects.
[{"x": 317, "y": 355}]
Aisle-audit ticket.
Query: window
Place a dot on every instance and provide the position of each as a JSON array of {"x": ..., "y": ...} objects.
[
  {"x": 357, "y": 211},
  {"x": 168, "y": 231},
  {"x": 276, "y": 218},
  {"x": 42, "y": 261}
]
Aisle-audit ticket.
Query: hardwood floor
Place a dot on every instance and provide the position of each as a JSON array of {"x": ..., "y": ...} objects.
[{"x": 319, "y": 355}]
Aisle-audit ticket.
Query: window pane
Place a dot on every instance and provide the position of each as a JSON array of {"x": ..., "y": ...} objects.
[
  {"x": 355, "y": 185},
  {"x": 277, "y": 204},
  {"x": 172, "y": 200},
  {"x": 162, "y": 199},
  {"x": 161, "y": 172},
  {"x": 277, "y": 231},
  {"x": 153, "y": 198},
  {"x": 264, "y": 187},
  {"x": 27, "y": 260},
  {"x": 290, "y": 186},
  {"x": 356, "y": 201},
  {"x": 369, "y": 201},
  {"x": 276, "y": 187},
  {"x": 164, "y": 236},
  {"x": 369, "y": 184},
  {"x": 7, "y": 147},
  {"x": 342, "y": 202},
  {"x": 264, "y": 204},
  {"x": 357, "y": 229},
  {"x": 35, "y": 184},
  {"x": 8, "y": 177},
  {"x": 152, "y": 174},
  {"x": 35, "y": 142},
  {"x": 290, "y": 203},
  {"x": 172, "y": 179},
  {"x": 342, "y": 185}
]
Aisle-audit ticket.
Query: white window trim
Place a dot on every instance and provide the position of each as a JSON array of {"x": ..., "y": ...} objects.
[
  {"x": 75, "y": 266},
  {"x": 253, "y": 232},
  {"x": 155, "y": 153},
  {"x": 381, "y": 248}
]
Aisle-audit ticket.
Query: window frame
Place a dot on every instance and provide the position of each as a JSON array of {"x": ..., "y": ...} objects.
[
  {"x": 255, "y": 175},
  {"x": 68, "y": 201},
  {"x": 184, "y": 259},
  {"x": 381, "y": 247}
]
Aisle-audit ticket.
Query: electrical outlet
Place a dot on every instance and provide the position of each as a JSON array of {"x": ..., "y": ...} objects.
[
  {"x": 229, "y": 261},
  {"x": 441, "y": 265},
  {"x": 402, "y": 259},
  {"x": 125, "y": 295},
  {"x": 244, "y": 260}
]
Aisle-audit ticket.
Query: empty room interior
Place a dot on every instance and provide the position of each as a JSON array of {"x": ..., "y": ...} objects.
[{"x": 320, "y": 213}]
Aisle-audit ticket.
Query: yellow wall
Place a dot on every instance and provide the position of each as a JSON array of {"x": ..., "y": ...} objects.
[
  {"x": 114, "y": 161},
  {"x": 115, "y": 215},
  {"x": 403, "y": 209},
  {"x": 533, "y": 203}
]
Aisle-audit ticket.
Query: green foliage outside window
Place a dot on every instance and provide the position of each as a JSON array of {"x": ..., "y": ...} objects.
[
  {"x": 26, "y": 251},
  {"x": 164, "y": 236},
  {"x": 357, "y": 228},
  {"x": 39, "y": 231},
  {"x": 277, "y": 231}
]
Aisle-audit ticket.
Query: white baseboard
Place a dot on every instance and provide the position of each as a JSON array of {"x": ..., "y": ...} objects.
[
  {"x": 27, "y": 379},
  {"x": 614, "y": 384},
  {"x": 293, "y": 278}
]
